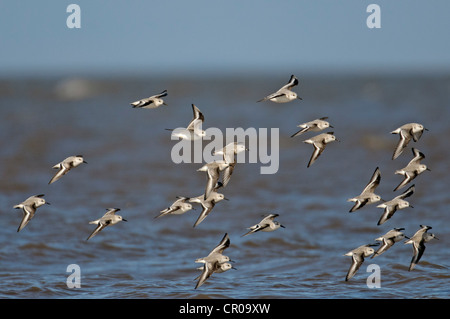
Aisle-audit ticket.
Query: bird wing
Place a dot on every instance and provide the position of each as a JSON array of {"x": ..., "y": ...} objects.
[
  {"x": 207, "y": 208},
  {"x": 357, "y": 260},
  {"x": 374, "y": 182},
  {"x": 402, "y": 143},
  {"x": 318, "y": 149}
]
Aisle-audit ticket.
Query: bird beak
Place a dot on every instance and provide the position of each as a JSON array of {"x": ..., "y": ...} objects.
[
  {"x": 85, "y": 162},
  {"x": 428, "y": 169},
  {"x": 123, "y": 219},
  {"x": 426, "y": 129},
  {"x": 47, "y": 203},
  {"x": 331, "y": 126},
  {"x": 282, "y": 226},
  {"x": 234, "y": 268},
  {"x": 225, "y": 198},
  {"x": 411, "y": 206},
  {"x": 164, "y": 103},
  {"x": 298, "y": 97}
]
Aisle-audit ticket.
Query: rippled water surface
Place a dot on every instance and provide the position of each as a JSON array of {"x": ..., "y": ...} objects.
[{"x": 129, "y": 166}]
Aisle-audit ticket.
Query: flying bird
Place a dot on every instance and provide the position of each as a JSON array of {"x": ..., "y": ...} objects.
[
  {"x": 29, "y": 207},
  {"x": 213, "y": 170},
  {"x": 395, "y": 204},
  {"x": 267, "y": 224},
  {"x": 368, "y": 195},
  {"x": 66, "y": 165},
  {"x": 194, "y": 129},
  {"x": 407, "y": 132},
  {"x": 388, "y": 240},
  {"x": 151, "y": 102},
  {"x": 208, "y": 203},
  {"x": 418, "y": 241},
  {"x": 110, "y": 218},
  {"x": 229, "y": 153},
  {"x": 413, "y": 169},
  {"x": 319, "y": 142},
  {"x": 214, "y": 261},
  {"x": 180, "y": 206},
  {"x": 285, "y": 94},
  {"x": 313, "y": 126},
  {"x": 358, "y": 255}
]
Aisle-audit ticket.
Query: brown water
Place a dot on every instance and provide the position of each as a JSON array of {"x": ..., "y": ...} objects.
[{"x": 129, "y": 166}]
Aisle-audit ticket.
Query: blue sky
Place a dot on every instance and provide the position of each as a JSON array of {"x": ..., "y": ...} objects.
[{"x": 209, "y": 36}]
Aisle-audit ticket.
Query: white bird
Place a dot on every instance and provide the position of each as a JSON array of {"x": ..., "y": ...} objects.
[
  {"x": 413, "y": 169},
  {"x": 29, "y": 207},
  {"x": 151, "y": 102},
  {"x": 395, "y": 204},
  {"x": 319, "y": 142},
  {"x": 180, "y": 206},
  {"x": 418, "y": 241},
  {"x": 313, "y": 126},
  {"x": 229, "y": 153},
  {"x": 358, "y": 255},
  {"x": 367, "y": 196},
  {"x": 407, "y": 132},
  {"x": 267, "y": 225},
  {"x": 388, "y": 240},
  {"x": 285, "y": 94},
  {"x": 66, "y": 165},
  {"x": 214, "y": 260},
  {"x": 207, "y": 204},
  {"x": 110, "y": 218},
  {"x": 210, "y": 268},
  {"x": 212, "y": 170},
  {"x": 194, "y": 129}
]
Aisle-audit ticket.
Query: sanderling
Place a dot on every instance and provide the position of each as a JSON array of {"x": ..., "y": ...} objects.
[
  {"x": 367, "y": 196},
  {"x": 194, "y": 130},
  {"x": 406, "y": 132},
  {"x": 177, "y": 208},
  {"x": 418, "y": 241},
  {"x": 66, "y": 165},
  {"x": 267, "y": 224},
  {"x": 413, "y": 169},
  {"x": 228, "y": 153},
  {"x": 388, "y": 240},
  {"x": 319, "y": 142},
  {"x": 208, "y": 203},
  {"x": 151, "y": 102},
  {"x": 212, "y": 170},
  {"x": 313, "y": 126},
  {"x": 214, "y": 260},
  {"x": 29, "y": 207},
  {"x": 209, "y": 268},
  {"x": 110, "y": 218},
  {"x": 397, "y": 203},
  {"x": 358, "y": 255},
  {"x": 284, "y": 94}
]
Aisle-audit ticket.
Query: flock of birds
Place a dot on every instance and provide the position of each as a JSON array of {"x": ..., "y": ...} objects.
[
  {"x": 407, "y": 132},
  {"x": 216, "y": 261}
]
